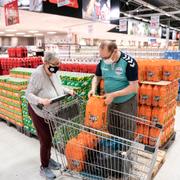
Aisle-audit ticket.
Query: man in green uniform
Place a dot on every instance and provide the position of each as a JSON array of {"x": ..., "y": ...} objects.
[{"x": 120, "y": 74}]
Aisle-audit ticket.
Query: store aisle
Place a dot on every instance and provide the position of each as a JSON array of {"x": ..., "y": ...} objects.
[
  {"x": 170, "y": 169},
  {"x": 19, "y": 156}
]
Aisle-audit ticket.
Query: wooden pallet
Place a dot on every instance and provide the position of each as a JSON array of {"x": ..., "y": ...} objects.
[
  {"x": 143, "y": 156},
  {"x": 29, "y": 134},
  {"x": 159, "y": 162},
  {"x": 169, "y": 142},
  {"x": 9, "y": 123}
]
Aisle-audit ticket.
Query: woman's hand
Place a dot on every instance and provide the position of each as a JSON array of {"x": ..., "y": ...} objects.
[
  {"x": 45, "y": 102},
  {"x": 72, "y": 92}
]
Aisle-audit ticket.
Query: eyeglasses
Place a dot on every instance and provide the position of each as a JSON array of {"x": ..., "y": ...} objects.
[{"x": 54, "y": 64}]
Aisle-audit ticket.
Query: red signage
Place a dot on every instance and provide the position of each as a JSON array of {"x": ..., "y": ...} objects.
[
  {"x": 11, "y": 13},
  {"x": 72, "y": 3}
]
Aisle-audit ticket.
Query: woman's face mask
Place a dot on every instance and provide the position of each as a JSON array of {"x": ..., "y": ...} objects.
[{"x": 53, "y": 68}]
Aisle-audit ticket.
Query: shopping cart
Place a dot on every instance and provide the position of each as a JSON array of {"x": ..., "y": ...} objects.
[{"x": 88, "y": 153}]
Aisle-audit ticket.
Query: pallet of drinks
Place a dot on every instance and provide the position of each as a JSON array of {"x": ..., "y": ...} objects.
[
  {"x": 10, "y": 99},
  {"x": 6, "y": 64},
  {"x": 20, "y": 72},
  {"x": 157, "y": 104},
  {"x": 28, "y": 124},
  {"x": 80, "y": 82},
  {"x": 157, "y": 70}
]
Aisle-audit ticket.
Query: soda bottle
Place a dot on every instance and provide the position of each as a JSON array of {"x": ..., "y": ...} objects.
[
  {"x": 155, "y": 96},
  {"x": 153, "y": 135},
  {"x": 142, "y": 110},
  {"x": 148, "y": 93},
  {"x": 146, "y": 134},
  {"x": 162, "y": 114},
  {"x": 148, "y": 113},
  {"x": 142, "y": 94},
  {"x": 163, "y": 96}
]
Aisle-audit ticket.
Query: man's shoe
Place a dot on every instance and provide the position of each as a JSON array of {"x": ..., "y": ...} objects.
[
  {"x": 47, "y": 173},
  {"x": 54, "y": 165}
]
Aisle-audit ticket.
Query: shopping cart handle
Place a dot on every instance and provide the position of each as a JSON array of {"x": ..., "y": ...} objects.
[
  {"x": 59, "y": 98},
  {"x": 54, "y": 100}
]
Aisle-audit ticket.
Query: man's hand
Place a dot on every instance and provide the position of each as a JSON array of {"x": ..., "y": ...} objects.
[
  {"x": 91, "y": 93},
  {"x": 45, "y": 102},
  {"x": 108, "y": 98}
]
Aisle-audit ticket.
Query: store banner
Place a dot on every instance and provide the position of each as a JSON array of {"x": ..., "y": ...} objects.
[
  {"x": 96, "y": 10},
  {"x": 123, "y": 25},
  {"x": 61, "y": 3},
  {"x": 11, "y": 13},
  {"x": 69, "y": 3},
  {"x": 154, "y": 24},
  {"x": 29, "y": 5},
  {"x": 35, "y": 5}
]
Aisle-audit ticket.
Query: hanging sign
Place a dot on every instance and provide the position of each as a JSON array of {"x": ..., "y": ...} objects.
[
  {"x": 154, "y": 22},
  {"x": 122, "y": 25},
  {"x": 11, "y": 13}
]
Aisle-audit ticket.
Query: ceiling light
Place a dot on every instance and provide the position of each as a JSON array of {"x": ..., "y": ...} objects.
[
  {"x": 51, "y": 32},
  {"x": 20, "y": 33},
  {"x": 28, "y": 35},
  {"x": 9, "y": 35},
  {"x": 33, "y": 31},
  {"x": 39, "y": 34},
  {"x": 10, "y": 30}
]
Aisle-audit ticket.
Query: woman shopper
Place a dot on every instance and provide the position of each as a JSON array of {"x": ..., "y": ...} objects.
[{"x": 44, "y": 85}]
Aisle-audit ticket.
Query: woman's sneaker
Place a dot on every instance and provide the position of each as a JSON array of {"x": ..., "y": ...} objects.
[
  {"x": 54, "y": 165},
  {"x": 47, "y": 173}
]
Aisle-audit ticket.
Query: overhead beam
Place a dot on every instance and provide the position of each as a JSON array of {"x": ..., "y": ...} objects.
[
  {"x": 150, "y": 6},
  {"x": 159, "y": 14},
  {"x": 147, "y": 9}
]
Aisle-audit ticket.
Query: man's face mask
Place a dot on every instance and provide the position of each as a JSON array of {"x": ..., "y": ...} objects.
[{"x": 108, "y": 60}]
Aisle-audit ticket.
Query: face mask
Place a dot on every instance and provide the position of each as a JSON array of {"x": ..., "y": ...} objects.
[
  {"x": 108, "y": 61},
  {"x": 53, "y": 69}
]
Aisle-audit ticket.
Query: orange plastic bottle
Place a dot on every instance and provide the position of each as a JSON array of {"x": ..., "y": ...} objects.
[
  {"x": 155, "y": 96},
  {"x": 153, "y": 135},
  {"x": 149, "y": 95},
  {"x": 139, "y": 132},
  {"x": 142, "y": 94},
  {"x": 154, "y": 71},
  {"x": 169, "y": 71},
  {"x": 148, "y": 113},
  {"x": 162, "y": 115},
  {"x": 142, "y": 112},
  {"x": 146, "y": 134},
  {"x": 163, "y": 96},
  {"x": 155, "y": 115}
]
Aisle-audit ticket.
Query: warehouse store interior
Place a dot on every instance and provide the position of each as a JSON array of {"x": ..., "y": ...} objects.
[{"x": 89, "y": 89}]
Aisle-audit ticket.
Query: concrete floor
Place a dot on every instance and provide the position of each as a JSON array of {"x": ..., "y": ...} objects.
[{"x": 19, "y": 156}]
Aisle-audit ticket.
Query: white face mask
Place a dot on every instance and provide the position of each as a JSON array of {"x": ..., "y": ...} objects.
[{"x": 108, "y": 61}]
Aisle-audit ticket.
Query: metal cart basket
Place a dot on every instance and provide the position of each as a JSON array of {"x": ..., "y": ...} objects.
[{"x": 88, "y": 153}]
